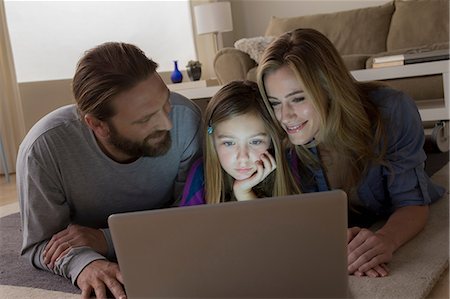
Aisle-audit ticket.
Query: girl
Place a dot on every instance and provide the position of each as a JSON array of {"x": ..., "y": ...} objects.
[
  {"x": 364, "y": 138},
  {"x": 240, "y": 151}
]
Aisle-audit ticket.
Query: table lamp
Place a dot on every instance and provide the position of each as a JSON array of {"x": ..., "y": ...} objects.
[{"x": 213, "y": 18}]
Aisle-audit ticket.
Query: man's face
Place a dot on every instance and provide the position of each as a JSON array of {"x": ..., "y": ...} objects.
[{"x": 141, "y": 125}]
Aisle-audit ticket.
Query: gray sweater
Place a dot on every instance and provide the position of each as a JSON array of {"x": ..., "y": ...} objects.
[{"x": 63, "y": 177}]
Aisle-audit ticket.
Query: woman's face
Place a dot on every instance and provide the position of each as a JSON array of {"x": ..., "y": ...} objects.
[
  {"x": 292, "y": 105},
  {"x": 240, "y": 142}
]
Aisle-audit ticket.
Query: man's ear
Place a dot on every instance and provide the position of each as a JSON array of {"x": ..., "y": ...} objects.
[{"x": 100, "y": 128}]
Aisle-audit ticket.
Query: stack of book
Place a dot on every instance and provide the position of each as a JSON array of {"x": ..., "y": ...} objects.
[{"x": 410, "y": 58}]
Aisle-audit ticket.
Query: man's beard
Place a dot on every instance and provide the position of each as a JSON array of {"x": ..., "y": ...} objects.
[{"x": 146, "y": 148}]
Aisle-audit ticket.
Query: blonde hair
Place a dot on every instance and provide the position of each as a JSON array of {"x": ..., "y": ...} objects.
[
  {"x": 234, "y": 99},
  {"x": 351, "y": 124}
]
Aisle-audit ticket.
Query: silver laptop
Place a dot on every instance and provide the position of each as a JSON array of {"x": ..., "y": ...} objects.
[{"x": 281, "y": 247}]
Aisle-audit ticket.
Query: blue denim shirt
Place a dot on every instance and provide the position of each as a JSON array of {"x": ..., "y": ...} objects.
[{"x": 404, "y": 182}]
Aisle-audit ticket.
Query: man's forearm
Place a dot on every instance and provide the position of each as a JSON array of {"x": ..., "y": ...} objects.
[{"x": 68, "y": 266}]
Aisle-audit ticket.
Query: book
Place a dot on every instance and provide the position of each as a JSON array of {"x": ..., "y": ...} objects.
[
  {"x": 410, "y": 58},
  {"x": 427, "y": 56},
  {"x": 387, "y": 64},
  {"x": 390, "y": 58}
]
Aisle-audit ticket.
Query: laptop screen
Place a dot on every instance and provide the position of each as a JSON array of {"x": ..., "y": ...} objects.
[{"x": 281, "y": 247}]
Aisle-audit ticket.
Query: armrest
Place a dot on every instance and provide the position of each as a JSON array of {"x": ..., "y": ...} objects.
[{"x": 232, "y": 64}]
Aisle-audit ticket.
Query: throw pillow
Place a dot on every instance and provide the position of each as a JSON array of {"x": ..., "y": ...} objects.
[
  {"x": 418, "y": 23},
  {"x": 355, "y": 31},
  {"x": 254, "y": 46}
]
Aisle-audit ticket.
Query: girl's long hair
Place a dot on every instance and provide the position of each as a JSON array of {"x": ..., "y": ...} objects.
[
  {"x": 235, "y": 99},
  {"x": 350, "y": 124}
]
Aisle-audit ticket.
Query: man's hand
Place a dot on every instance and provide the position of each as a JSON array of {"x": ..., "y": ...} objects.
[
  {"x": 74, "y": 236},
  {"x": 243, "y": 189},
  {"x": 100, "y": 276},
  {"x": 368, "y": 252}
]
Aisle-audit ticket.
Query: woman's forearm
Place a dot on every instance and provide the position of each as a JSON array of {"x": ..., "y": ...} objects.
[{"x": 404, "y": 224}]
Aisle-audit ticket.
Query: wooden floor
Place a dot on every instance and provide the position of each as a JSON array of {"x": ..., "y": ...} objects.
[{"x": 8, "y": 195}]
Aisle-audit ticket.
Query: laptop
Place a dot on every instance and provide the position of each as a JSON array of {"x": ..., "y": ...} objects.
[{"x": 282, "y": 247}]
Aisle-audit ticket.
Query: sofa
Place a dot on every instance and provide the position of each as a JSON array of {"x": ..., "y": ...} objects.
[{"x": 397, "y": 27}]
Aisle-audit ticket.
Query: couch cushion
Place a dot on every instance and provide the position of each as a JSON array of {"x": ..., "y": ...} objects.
[
  {"x": 418, "y": 22},
  {"x": 357, "y": 31}
]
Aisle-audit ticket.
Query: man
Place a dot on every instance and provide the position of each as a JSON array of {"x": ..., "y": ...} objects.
[{"x": 125, "y": 146}]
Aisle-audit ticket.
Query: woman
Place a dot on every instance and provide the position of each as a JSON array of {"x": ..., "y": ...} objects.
[
  {"x": 241, "y": 152},
  {"x": 364, "y": 138}
]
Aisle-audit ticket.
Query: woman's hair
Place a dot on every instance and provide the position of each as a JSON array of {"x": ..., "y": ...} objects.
[
  {"x": 350, "y": 124},
  {"x": 235, "y": 99},
  {"x": 105, "y": 71}
]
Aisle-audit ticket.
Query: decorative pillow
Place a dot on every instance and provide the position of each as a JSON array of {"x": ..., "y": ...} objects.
[
  {"x": 254, "y": 46},
  {"x": 419, "y": 22}
]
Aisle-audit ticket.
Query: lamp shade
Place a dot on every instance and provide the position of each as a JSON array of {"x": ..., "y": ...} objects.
[{"x": 213, "y": 17}]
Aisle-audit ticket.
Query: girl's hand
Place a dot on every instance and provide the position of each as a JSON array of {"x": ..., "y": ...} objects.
[{"x": 243, "y": 189}]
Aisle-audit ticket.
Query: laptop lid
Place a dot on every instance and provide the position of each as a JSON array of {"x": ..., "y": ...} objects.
[{"x": 284, "y": 247}]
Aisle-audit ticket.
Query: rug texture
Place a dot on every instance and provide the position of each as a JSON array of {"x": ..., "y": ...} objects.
[
  {"x": 16, "y": 270},
  {"x": 415, "y": 268}
]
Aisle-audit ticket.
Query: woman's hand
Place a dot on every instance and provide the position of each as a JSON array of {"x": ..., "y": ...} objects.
[
  {"x": 366, "y": 249},
  {"x": 243, "y": 189},
  {"x": 368, "y": 252},
  {"x": 379, "y": 271}
]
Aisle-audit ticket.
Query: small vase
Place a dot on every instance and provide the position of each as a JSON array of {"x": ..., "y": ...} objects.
[
  {"x": 194, "y": 73},
  {"x": 176, "y": 76}
]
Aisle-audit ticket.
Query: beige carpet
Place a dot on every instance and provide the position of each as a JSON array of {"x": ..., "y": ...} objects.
[
  {"x": 14, "y": 292},
  {"x": 417, "y": 266}
]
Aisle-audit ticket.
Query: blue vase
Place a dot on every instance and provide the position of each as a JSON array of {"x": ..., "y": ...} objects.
[{"x": 176, "y": 76}]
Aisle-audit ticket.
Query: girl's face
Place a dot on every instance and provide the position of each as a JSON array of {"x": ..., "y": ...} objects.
[
  {"x": 292, "y": 106},
  {"x": 239, "y": 143}
]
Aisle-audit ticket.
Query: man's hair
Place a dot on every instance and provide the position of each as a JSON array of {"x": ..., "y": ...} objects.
[{"x": 104, "y": 72}]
